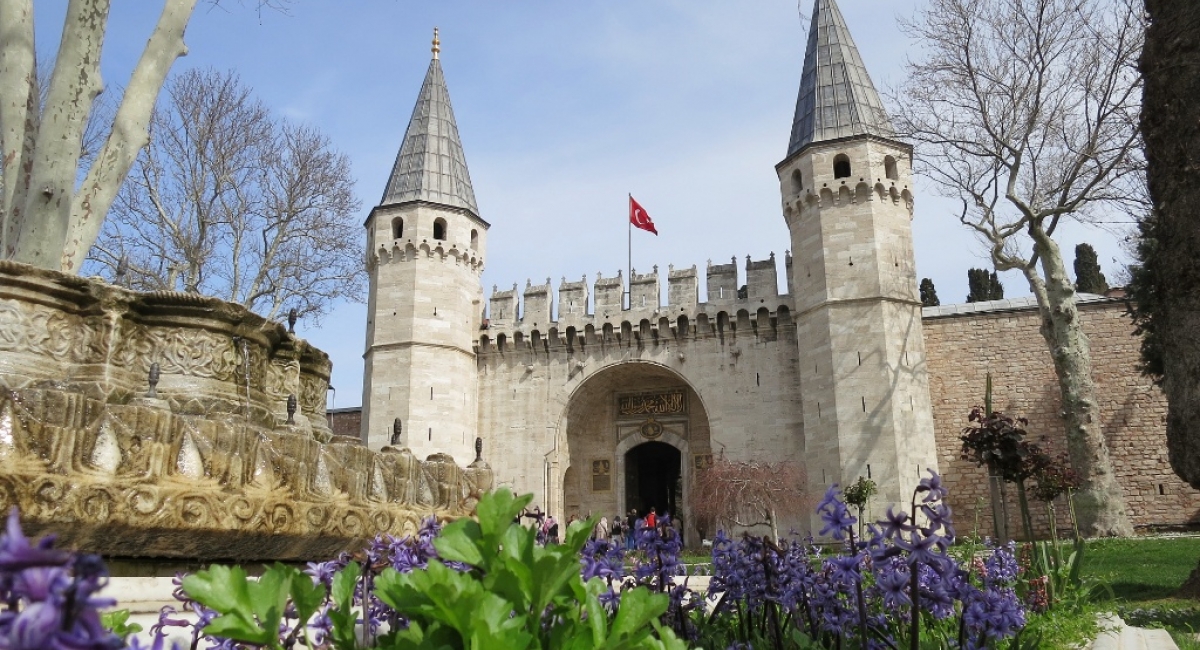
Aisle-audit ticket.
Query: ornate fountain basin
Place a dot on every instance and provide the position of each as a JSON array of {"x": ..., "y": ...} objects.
[{"x": 208, "y": 463}]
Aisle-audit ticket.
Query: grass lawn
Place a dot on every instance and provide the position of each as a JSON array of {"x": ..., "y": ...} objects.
[
  {"x": 1141, "y": 570},
  {"x": 1143, "y": 574}
]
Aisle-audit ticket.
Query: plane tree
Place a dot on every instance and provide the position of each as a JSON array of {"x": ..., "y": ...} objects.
[
  {"x": 1026, "y": 112},
  {"x": 51, "y": 205}
]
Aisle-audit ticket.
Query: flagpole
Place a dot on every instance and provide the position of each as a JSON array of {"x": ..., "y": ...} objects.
[{"x": 629, "y": 266}]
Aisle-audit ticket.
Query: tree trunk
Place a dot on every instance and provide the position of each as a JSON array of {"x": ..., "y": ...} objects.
[{"x": 1100, "y": 501}]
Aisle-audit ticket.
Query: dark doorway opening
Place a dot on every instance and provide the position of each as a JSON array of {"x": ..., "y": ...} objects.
[{"x": 653, "y": 478}]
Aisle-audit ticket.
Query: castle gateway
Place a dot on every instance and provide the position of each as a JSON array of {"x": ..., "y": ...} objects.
[{"x": 613, "y": 400}]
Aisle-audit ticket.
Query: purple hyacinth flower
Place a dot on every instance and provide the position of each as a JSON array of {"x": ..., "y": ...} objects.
[
  {"x": 17, "y": 553},
  {"x": 838, "y": 520},
  {"x": 921, "y": 549},
  {"x": 895, "y": 523},
  {"x": 893, "y": 582},
  {"x": 932, "y": 485},
  {"x": 34, "y": 627}
]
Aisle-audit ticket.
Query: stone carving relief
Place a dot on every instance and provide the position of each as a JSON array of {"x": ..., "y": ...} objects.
[{"x": 191, "y": 475}]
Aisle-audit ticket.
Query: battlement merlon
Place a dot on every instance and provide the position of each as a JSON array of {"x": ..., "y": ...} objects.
[{"x": 728, "y": 299}]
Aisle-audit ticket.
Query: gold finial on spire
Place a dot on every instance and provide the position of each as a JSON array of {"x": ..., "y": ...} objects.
[{"x": 437, "y": 45}]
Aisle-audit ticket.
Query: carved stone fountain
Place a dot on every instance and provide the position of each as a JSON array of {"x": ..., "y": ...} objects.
[{"x": 169, "y": 425}]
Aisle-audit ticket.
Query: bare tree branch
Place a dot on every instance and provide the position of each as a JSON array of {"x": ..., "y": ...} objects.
[
  {"x": 1026, "y": 111},
  {"x": 230, "y": 201},
  {"x": 747, "y": 494}
]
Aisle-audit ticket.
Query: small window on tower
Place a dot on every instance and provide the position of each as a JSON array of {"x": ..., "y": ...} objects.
[
  {"x": 797, "y": 181},
  {"x": 474, "y": 239},
  {"x": 439, "y": 229},
  {"x": 397, "y": 228},
  {"x": 889, "y": 168},
  {"x": 841, "y": 166}
]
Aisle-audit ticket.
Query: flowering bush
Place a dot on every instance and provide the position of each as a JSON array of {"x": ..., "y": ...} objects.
[
  {"x": 487, "y": 583},
  {"x": 482, "y": 583},
  {"x": 899, "y": 587}
]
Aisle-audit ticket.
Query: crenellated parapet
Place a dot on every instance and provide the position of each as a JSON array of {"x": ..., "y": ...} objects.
[
  {"x": 748, "y": 305},
  {"x": 845, "y": 195},
  {"x": 409, "y": 250}
]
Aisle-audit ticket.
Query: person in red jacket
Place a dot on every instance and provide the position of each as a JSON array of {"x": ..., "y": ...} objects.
[{"x": 651, "y": 519}]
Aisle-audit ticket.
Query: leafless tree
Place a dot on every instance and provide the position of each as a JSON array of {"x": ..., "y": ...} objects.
[
  {"x": 47, "y": 217},
  {"x": 1027, "y": 112},
  {"x": 748, "y": 493},
  {"x": 228, "y": 200}
]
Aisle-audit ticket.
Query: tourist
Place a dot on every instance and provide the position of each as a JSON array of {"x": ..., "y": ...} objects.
[
  {"x": 601, "y": 531},
  {"x": 618, "y": 530},
  {"x": 551, "y": 530},
  {"x": 651, "y": 519},
  {"x": 630, "y": 529}
]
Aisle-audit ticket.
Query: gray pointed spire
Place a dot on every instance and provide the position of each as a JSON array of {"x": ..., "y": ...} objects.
[
  {"x": 837, "y": 98},
  {"x": 431, "y": 165}
]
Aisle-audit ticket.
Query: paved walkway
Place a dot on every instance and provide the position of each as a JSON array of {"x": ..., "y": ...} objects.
[{"x": 1119, "y": 636}]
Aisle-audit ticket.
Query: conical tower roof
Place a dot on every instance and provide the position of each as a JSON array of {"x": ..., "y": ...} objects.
[
  {"x": 431, "y": 165},
  {"x": 837, "y": 98}
]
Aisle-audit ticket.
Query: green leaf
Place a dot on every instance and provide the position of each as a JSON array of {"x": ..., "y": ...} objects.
[
  {"x": 227, "y": 591},
  {"x": 269, "y": 596},
  {"x": 459, "y": 542},
  {"x": 638, "y": 607},
  {"x": 307, "y": 596},
  {"x": 117, "y": 622},
  {"x": 497, "y": 509},
  {"x": 344, "y": 582},
  {"x": 597, "y": 618},
  {"x": 219, "y": 588},
  {"x": 342, "y": 614}
]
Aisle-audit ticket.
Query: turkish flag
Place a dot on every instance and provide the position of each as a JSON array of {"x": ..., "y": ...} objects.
[{"x": 639, "y": 218}]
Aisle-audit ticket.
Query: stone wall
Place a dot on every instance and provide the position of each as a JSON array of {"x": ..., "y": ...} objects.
[
  {"x": 963, "y": 348},
  {"x": 741, "y": 366},
  {"x": 346, "y": 421}
]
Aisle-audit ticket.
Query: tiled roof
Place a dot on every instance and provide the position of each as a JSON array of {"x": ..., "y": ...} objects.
[
  {"x": 431, "y": 165},
  {"x": 837, "y": 98}
]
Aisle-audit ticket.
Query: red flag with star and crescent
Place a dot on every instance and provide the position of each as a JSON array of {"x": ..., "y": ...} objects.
[{"x": 638, "y": 216}]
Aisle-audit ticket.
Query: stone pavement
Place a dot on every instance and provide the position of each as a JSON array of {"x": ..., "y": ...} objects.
[{"x": 1119, "y": 636}]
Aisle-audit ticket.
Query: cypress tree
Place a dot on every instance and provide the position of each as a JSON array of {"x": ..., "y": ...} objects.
[
  {"x": 929, "y": 296},
  {"x": 984, "y": 285},
  {"x": 1088, "y": 277}
]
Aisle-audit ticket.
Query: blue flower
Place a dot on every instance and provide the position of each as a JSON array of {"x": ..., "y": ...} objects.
[
  {"x": 895, "y": 523},
  {"x": 838, "y": 520},
  {"x": 893, "y": 582},
  {"x": 932, "y": 485},
  {"x": 17, "y": 553}
]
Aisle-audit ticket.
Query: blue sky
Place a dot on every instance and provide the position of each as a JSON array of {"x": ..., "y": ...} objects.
[{"x": 564, "y": 108}]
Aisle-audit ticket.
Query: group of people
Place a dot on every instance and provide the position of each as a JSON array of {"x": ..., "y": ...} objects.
[
  {"x": 546, "y": 525},
  {"x": 622, "y": 530}
]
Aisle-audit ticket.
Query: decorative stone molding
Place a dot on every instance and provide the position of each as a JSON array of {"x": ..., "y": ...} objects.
[{"x": 205, "y": 465}]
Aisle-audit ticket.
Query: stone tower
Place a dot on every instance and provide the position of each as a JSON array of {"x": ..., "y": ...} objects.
[
  {"x": 848, "y": 204},
  {"x": 426, "y": 246}
]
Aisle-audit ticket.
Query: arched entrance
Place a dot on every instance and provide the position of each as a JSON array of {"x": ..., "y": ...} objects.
[
  {"x": 653, "y": 478},
  {"x": 634, "y": 432}
]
